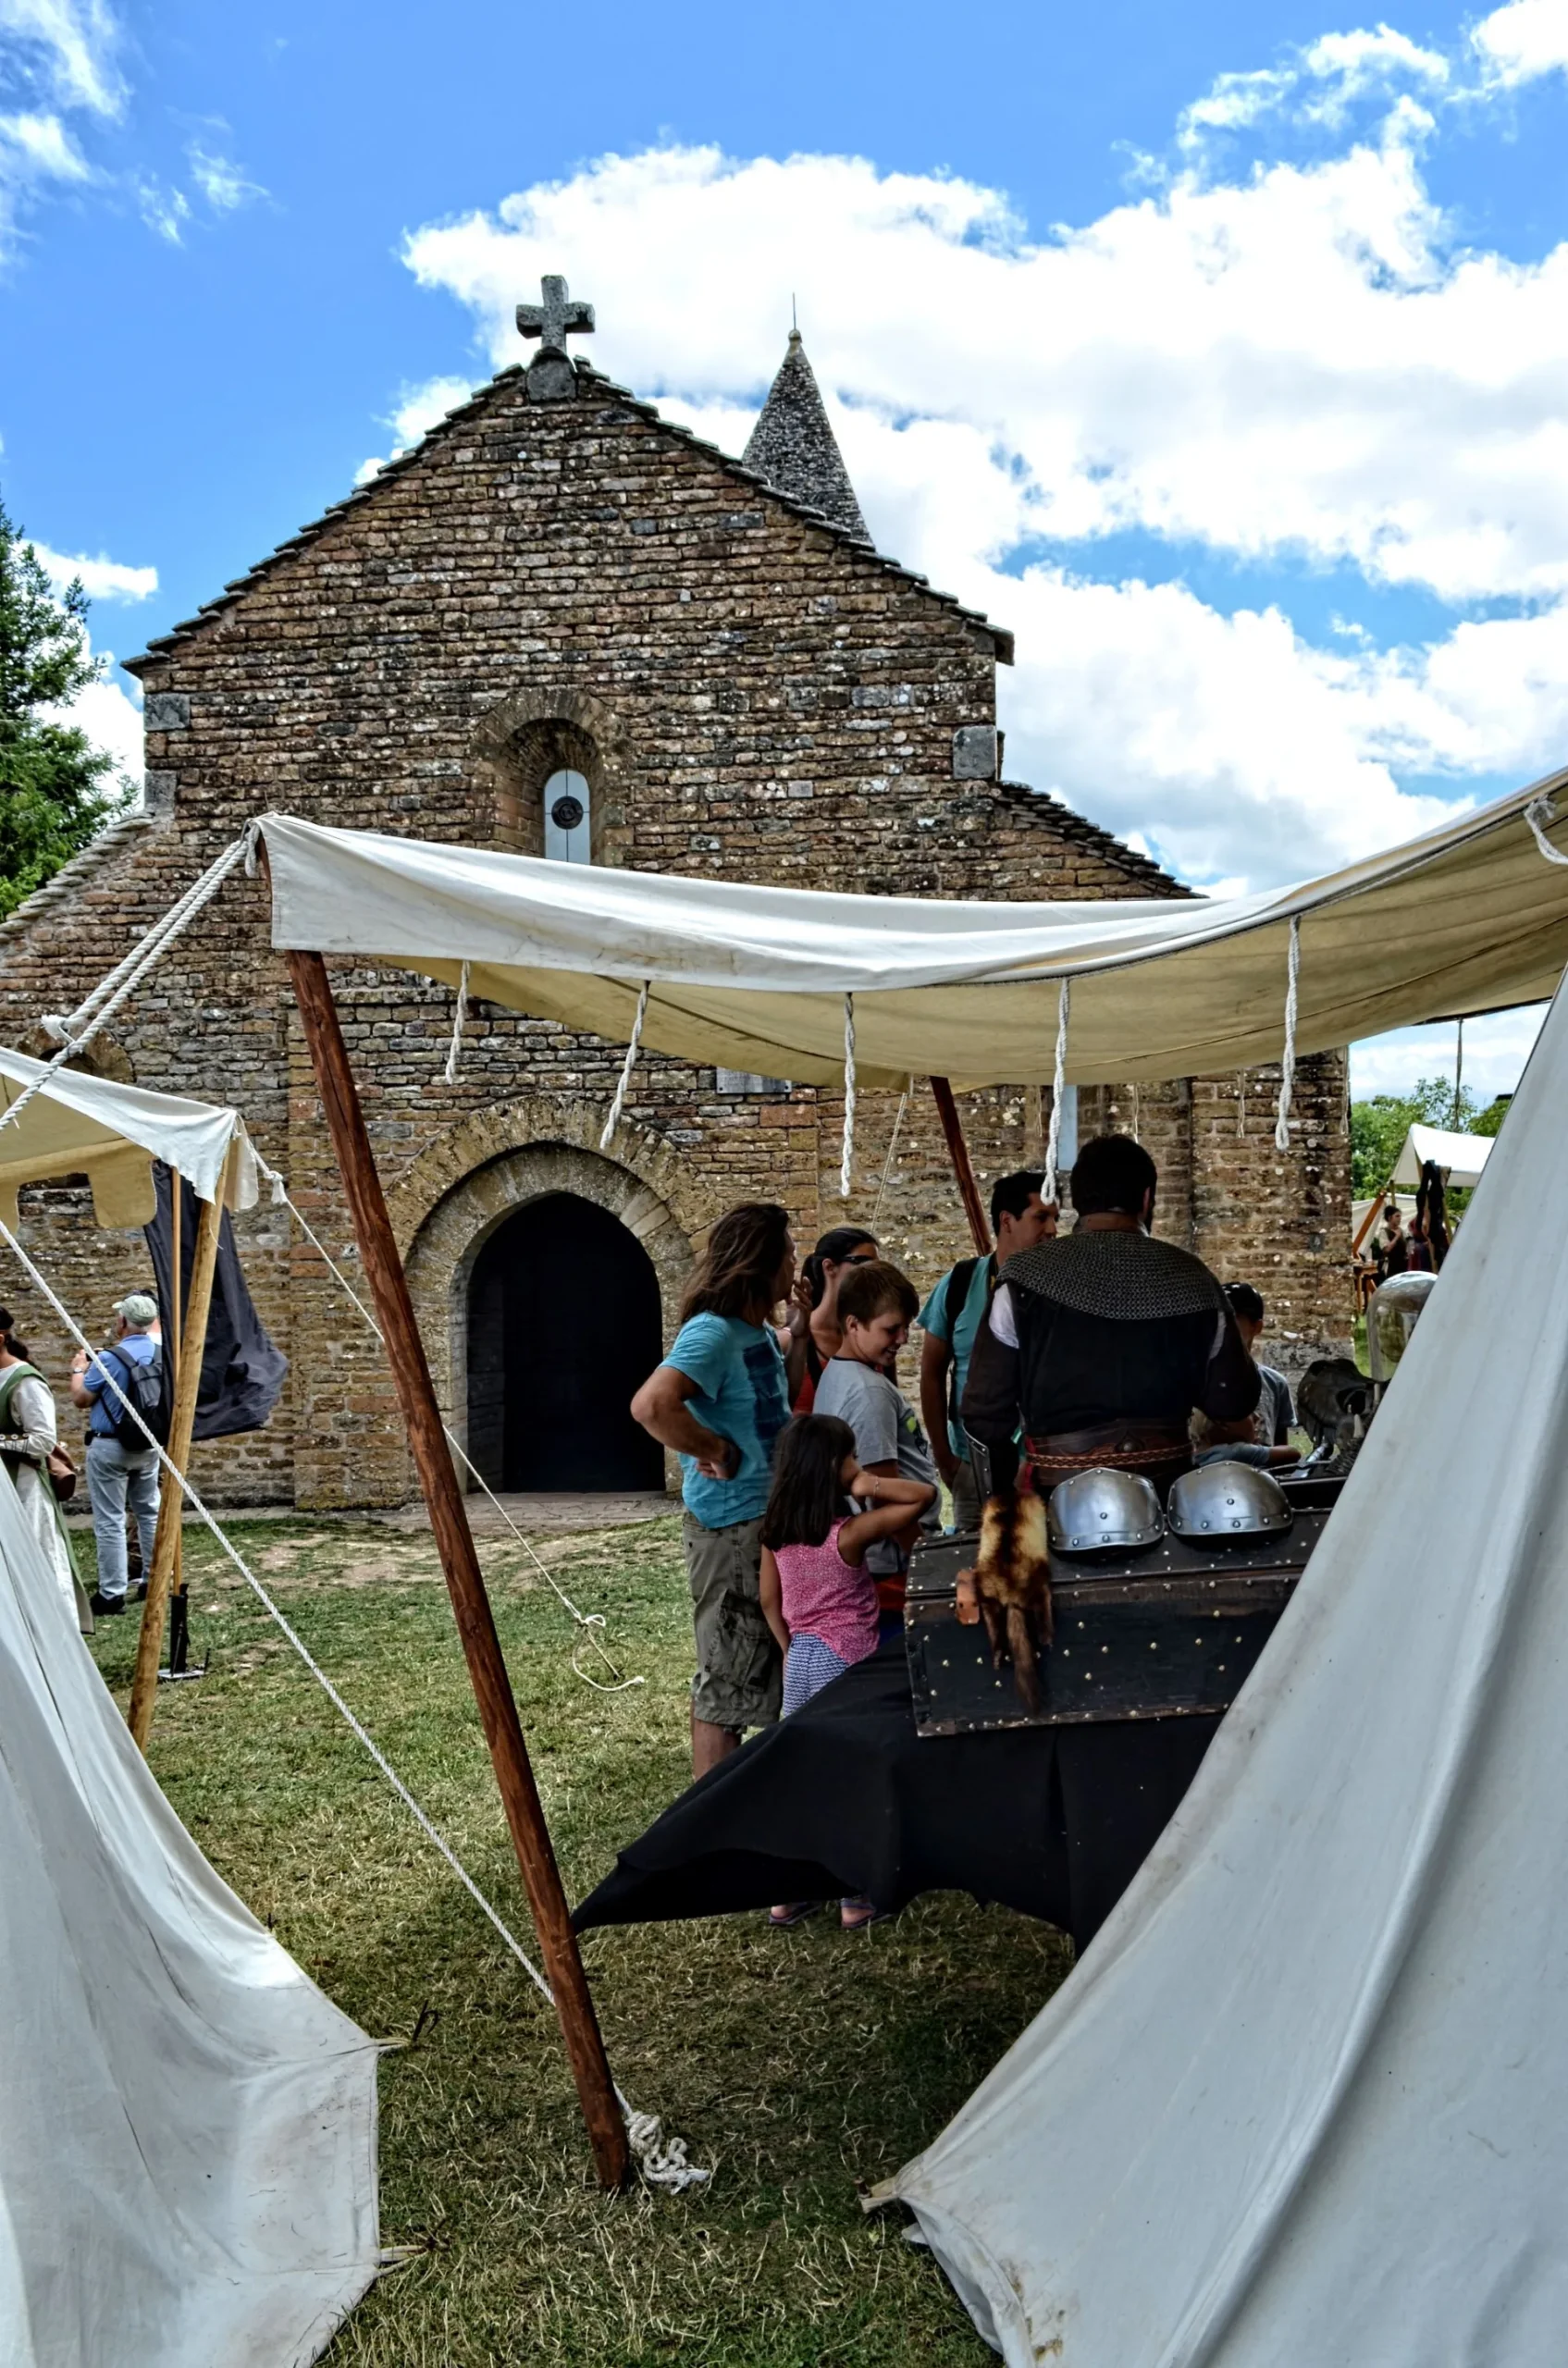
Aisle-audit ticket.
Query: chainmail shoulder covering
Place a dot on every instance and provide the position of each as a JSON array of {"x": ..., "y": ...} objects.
[{"x": 1125, "y": 1278}]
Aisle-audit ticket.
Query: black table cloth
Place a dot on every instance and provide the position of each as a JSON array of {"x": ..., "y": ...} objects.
[{"x": 845, "y": 1798}]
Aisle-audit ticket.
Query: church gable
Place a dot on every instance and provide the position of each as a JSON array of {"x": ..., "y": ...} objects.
[{"x": 573, "y": 595}]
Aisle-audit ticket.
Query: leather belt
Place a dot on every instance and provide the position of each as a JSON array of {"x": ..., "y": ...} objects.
[{"x": 1118, "y": 1446}]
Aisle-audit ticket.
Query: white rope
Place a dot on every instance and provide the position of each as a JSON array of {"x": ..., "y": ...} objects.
[
  {"x": 1241, "y": 1103},
  {"x": 1058, "y": 1091},
  {"x": 76, "y": 1030},
  {"x": 661, "y": 2160},
  {"x": 619, "y": 1102},
  {"x": 1538, "y": 813},
  {"x": 848, "y": 1161},
  {"x": 1136, "y": 1137},
  {"x": 586, "y": 1620},
  {"x": 460, "y": 1013},
  {"x": 1288, "y": 1060},
  {"x": 892, "y": 1147}
]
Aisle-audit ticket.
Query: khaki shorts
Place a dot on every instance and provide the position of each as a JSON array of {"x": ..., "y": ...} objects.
[{"x": 739, "y": 1679}]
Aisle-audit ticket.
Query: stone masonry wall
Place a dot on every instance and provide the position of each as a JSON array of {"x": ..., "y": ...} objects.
[{"x": 749, "y": 694}]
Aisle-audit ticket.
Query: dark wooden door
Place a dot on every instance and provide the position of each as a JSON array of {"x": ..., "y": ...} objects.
[{"x": 564, "y": 1324}]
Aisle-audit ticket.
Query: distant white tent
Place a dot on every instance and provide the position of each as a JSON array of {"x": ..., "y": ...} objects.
[
  {"x": 1464, "y": 1156},
  {"x": 93, "y": 1126},
  {"x": 1302, "y": 2102},
  {"x": 187, "y": 2126}
]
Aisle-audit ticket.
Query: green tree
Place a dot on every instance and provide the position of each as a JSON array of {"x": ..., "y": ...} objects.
[
  {"x": 56, "y": 790},
  {"x": 1379, "y": 1126}
]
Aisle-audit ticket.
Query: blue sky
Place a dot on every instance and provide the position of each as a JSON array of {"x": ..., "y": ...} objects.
[{"x": 1222, "y": 352}]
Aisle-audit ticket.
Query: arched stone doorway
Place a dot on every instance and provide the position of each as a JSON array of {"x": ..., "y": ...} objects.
[
  {"x": 564, "y": 1324},
  {"x": 473, "y": 1180}
]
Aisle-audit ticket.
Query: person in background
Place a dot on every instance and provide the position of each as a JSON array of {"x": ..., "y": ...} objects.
[
  {"x": 117, "y": 1476},
  {"x": 718, "y": 1398},
  {"x": 951, "y": 1316},
  {"x": 1418, "y": 1251},
  {"x": 876, "y": 1307},
  {"x": 1262, "y": 1438},
  {"x": 813, "y": 1333},
  {"x": 1393, "y": 1250},
  {"x": 29, "y": 1436},
  {"x": 818, "y": 1596}
]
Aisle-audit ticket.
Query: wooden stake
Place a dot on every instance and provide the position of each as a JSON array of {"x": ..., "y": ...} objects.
[
  {"x": 454, "y": 1543},
  {"x": 959, "y": 1153},
  {"x": 171, "y": 1498}
]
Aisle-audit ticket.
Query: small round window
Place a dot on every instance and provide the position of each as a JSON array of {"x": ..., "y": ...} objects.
[{"x": 568, "y": 824}]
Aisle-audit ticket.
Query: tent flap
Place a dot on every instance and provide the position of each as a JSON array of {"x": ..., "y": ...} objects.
[
  {"x": 1462, "y": 1156},
  {"x": 1469, "y": 918},
  {"x": 1301, "y": 2100}
]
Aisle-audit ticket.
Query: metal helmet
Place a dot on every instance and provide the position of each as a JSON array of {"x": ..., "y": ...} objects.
[
  {"x": 1225, "y": 1499},
  {"x": 1100, "y": 1512},
  {"x": 1391, "y": 1317}
]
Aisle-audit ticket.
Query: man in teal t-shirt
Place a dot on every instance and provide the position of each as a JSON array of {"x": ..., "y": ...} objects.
[
  {"x": 951, "y": 1318},
  {"x": 719, "y": 1400}
]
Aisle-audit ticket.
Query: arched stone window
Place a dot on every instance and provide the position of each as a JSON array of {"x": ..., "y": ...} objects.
[{"x": 568, "y": 817}]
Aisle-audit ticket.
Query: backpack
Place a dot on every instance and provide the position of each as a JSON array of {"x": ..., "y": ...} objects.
[{"x": 143, "y": 1386}]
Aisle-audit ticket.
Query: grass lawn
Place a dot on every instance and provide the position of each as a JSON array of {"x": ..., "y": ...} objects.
[{"x": 796, "y": 2064}]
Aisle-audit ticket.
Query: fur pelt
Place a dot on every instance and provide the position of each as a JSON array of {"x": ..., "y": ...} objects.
[{"x": 1012, "y": 1580}]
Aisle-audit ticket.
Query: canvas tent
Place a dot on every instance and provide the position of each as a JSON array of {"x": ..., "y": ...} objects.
[
  {"x": 1468, "y": 919},
  {"x": 1462, "y": 1156},
  {"x": 187, "y": 2124},
  {"x": 113, "y": 1133},
  {"x": 1300, "y": 2101}
]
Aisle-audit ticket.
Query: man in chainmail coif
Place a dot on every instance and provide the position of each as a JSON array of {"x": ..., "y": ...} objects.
[{"x": 1101, "y": 1344}]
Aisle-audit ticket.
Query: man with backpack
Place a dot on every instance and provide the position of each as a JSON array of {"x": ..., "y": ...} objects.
[
  {"x": 951, "y": 1316},
  {"x": 121, "y": 1467}
]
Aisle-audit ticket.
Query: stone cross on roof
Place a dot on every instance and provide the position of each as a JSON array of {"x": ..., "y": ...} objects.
[
  {"x": 551, "y": 378},
  {"x": 557, "y": 318}
]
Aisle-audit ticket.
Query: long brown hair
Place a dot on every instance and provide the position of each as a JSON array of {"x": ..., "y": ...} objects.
[{"x": 737, "y": 1272}]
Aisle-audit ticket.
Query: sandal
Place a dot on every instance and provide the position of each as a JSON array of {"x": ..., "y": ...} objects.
[
  {"x": 781, "y": 1919},
  {"x": 860, "y": 1915}
]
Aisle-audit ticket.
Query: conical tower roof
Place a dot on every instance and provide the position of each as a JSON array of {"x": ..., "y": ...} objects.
[{"x": 794, "y": 448}]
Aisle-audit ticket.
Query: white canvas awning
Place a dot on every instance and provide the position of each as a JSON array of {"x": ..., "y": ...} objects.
[
  {"x": 1464, "y": 1156},
  {"x": 112, "y": 1133},
  {"x": 1301, "y": 2101},
  {"x": 1470, "y": 918}
]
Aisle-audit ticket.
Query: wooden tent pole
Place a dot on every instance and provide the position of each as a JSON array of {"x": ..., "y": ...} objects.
[
  {"x": 959, "y": 1153},
  {"x": 1370, "y": 1219},
  {"x": 454, "y": 1543},
  {"x": 171, "y": 1499}
]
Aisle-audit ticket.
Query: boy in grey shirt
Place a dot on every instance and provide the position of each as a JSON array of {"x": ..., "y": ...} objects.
[{"x": 876, "y": 1307}]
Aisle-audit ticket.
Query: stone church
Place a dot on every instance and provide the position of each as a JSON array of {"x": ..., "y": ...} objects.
[{"x": 563, "y": 625}]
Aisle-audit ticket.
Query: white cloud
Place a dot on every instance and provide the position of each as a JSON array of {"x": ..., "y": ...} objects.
[
  {"x": 220, "y": 180},
  {"x": 1288, "y": 364},
  {"x": 67, "y": 48},
  {"x": 167, "y": 210},
  {"x": 418, "y": 409},
  {"x": 100, "y": 578},
  {"x": 112, "y": 721},
  {"x": 1524, "y": 41},
  {"x": 38, "y": 147}
]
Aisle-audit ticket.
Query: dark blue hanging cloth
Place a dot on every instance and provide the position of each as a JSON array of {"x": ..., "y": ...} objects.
[{"x": 242, "y": 1370}]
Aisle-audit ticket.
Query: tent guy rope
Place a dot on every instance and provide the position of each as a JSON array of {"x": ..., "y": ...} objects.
[
  {"x": 1288, "y": 1059},
  {"x": 76, "y": 1030},
  {"x": 623, "y": 1082},
  {"x": 459, "y": 1014},
  {"x": 588, "y": 1621},
  {"x": 662, "y": 2162},
  {"x": 1058, "y": 1091},
  {"x": 848, "y": 1161}
]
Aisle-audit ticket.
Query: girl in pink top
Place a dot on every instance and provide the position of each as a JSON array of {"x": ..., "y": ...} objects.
[{"x": 818, "y": 1596}]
